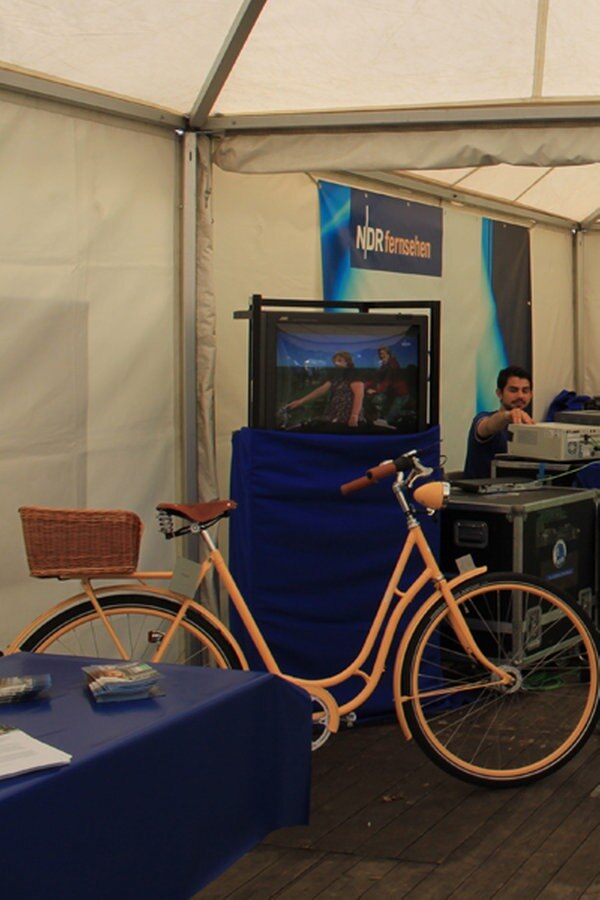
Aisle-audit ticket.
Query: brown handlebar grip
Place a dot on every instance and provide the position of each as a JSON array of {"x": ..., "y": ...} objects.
[
  {"x": 372, "y": 477},
  {"x": 356, "y": 485},
  {"x": 382, "y": 471}
]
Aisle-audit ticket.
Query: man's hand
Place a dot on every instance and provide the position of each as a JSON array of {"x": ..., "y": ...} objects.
[
  {"x": 500, "y": 420},
  {"x": 518, "y": 417}
]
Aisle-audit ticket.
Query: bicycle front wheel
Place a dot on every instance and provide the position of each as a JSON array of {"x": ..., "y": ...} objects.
[
  {"x": 141, "y": 622},
  {"x": 476, "y": 728}
]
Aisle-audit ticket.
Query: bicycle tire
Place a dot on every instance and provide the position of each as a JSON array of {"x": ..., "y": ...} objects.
[
  {"x": 140, "y": 621},
  {"x": 473, "y": 727}
]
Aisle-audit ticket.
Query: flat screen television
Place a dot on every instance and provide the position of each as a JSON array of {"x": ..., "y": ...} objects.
[{"x": 340, "y": 372}]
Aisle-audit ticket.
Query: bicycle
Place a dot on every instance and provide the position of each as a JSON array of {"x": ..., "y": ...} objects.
[{"x": 495, "y": 677}]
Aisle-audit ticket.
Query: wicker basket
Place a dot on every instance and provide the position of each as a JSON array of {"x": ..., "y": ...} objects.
[{"x": 67, "y": 543}]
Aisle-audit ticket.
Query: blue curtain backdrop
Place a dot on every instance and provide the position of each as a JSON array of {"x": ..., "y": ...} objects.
[{"x": 311, "y": 563}]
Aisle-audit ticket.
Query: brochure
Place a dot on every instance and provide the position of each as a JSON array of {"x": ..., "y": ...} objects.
[
  {"x": 109, "y": 682},
  {"x": 16, "y": 688}
]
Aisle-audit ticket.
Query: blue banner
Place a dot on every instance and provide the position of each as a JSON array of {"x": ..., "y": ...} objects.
[
  {"x": 394, "y": 235},
  {"x": 364, "y": 230},
  {"x": 506, "y": 295}
]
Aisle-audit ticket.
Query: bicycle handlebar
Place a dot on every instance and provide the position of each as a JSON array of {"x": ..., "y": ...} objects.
[
  {"x": 372, "y": 476},
  {"x": 376, "y": 473}
]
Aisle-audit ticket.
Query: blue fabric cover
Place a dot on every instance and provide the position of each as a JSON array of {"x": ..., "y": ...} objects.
[
  {"x": 311, "y": 563},
  {"x": 161, "y": 795},
  {"x": 588, "y": 476},
  {"x": 566, "y": 400}
]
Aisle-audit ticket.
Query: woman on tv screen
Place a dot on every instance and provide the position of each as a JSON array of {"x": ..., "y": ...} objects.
[{"x": 345, "y": 393}]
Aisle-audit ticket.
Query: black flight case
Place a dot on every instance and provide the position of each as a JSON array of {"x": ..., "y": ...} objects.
[{"x": 549, "y": 532}]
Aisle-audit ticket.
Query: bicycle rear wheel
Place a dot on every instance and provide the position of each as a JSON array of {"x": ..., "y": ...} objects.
[
  {"x": 140, "y": 622},
  {"x": 471, "y": 725}
]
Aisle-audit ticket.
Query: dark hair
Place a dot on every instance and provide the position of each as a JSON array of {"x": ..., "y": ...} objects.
[
  {"x": 512, "y": 372},
  {"x": 347, "y": 357}
]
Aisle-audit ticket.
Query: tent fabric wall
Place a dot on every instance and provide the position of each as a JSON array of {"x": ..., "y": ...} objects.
[
  {"x": 383, "y": 150},
  {"x": 553, "y": 315},
  {"x": 88, "y": 319},
  {"x": 266, "y": 240},
  {"x": 589, "y": 326}
]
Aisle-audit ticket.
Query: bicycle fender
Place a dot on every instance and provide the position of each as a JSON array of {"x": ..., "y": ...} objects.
[
  {"x": 199, "y": 610},
  {"x": 331, "y": 705},
  {"x": 124, "y": 589},
  {"x": 325, "y": 697},
  {"x": 410, "y": 629},
  {"x": 465, "y": 576},
  {"x": 222, "y": 629}
]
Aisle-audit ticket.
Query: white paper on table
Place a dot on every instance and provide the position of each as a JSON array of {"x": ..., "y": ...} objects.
[{"x": 19, "y": 752}]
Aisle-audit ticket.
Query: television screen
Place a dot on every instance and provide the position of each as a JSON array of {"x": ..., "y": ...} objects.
[{"x": 342, "y": 372}]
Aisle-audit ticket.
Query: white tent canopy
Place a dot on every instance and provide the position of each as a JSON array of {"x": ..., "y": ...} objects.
[{"x": 510, "y": 87}]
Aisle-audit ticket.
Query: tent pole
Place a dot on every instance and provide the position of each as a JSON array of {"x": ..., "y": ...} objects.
[
  {"x": 187, "y": 375},
  {"x": 578, "y": 307},
  {"x": 197, "y": 358}
]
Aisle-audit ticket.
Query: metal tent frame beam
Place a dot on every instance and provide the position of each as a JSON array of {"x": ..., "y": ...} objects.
[
  {"x": 76, "y": 95},
  {"x": 518, "y": 114},
  {"x": 224, "y": 62}
]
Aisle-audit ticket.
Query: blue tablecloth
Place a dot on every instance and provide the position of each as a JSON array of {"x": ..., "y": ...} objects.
[{"x": 161, "y": 795}]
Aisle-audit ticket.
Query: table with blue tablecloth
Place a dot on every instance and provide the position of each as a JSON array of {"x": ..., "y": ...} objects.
[{"x": 162, "y": 794}]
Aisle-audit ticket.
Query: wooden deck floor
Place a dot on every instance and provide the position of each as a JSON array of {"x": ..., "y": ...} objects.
[{"x": 385, "y": 822}]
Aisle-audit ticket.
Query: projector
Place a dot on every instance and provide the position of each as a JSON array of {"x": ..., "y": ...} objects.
[{"x": 554, "y": 441}]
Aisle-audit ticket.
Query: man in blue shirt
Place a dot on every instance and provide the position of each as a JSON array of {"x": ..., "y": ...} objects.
[{"x": 488, "y": 435}]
